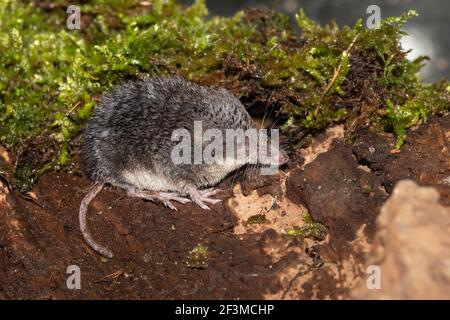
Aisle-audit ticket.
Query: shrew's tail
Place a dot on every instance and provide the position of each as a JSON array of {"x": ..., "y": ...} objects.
[{"x": 95, "y": 189}]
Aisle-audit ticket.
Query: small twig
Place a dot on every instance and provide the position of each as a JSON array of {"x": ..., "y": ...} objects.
[
  {"x": 73, "y": 108},
  {"x": 113, "y": 276},
  {"x": 291, "y": 282},
  {"x": 31, "y": 199},
  {"x": 274, "y": 201},
  {"x": 337, "y": 71},
  {"x": 4, "y": 178},
  {"x": 51, "y": 278}
]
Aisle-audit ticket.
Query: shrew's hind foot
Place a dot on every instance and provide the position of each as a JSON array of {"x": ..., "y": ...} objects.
[
  {"x": 163, "y": 197},
  {"x": 199, "y": 197}
]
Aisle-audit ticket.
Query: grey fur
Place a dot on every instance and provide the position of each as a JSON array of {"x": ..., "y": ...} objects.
[
  {"x": 128, "y": 139},
  {"x": 133, "y": 126}
]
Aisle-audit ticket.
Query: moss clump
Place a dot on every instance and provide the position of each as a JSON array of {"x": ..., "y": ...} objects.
[
  {"x": 257, "y": 219},
  {"x": 50, "y": 77},
  {"x": 197, "y": 257},
  {"x": 310, "y": 229},
  {"x": 367, "y": 189}
]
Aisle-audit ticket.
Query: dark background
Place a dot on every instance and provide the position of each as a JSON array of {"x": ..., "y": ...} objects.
[{"x": 429, "y": 34}]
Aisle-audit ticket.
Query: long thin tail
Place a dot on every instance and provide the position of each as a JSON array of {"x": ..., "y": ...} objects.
[{"x": 95, "y": 189}]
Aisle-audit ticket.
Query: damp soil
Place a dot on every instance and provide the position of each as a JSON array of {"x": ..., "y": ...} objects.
[{"x": 241, "y": 247}]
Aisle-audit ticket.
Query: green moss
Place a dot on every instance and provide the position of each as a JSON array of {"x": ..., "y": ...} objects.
[
  {"x": 310, "y": 229},
  {"x": 257, "y": 219},
  {"x": 197, "y": 257},
  {"x": 50, "y": 76}
]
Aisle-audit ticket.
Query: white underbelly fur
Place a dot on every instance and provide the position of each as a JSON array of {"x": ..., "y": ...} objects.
[{"x": 146, "y": 180}]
